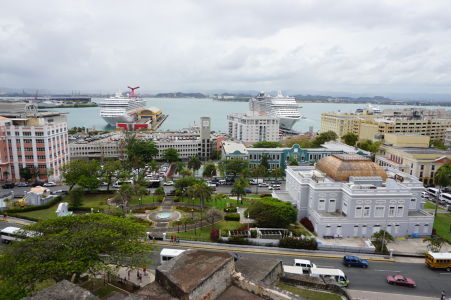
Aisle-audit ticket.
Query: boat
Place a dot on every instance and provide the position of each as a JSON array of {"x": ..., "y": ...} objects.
[
  {"x": 121, "y": 108},
  {"x": 375, "y": 109},
  {"x": 283, "y": 107}
]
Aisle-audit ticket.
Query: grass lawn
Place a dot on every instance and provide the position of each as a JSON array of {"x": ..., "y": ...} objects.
[
  {"x": 203, "y": 234},
  {"x": 309, "y": 294},
  {"x": 442, "y": 225},
  {"x": 429, "y": 205},
  {"x": 219, "y": 204},
  {"x": 42, "y": 214},
  {"x": 144, "y": 200}
]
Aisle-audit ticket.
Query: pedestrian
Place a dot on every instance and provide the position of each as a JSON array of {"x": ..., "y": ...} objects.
[
  {"x": 137, "y": 273},
  {"x": 443, "y": 296},
  {"x": 128, "y": 274},
  {"x": 144, "y": 270}
]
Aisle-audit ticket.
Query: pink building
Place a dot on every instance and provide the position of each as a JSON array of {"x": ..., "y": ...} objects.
[{"x": 33, "y": 139}]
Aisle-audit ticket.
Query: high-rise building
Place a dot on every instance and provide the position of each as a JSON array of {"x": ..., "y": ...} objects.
[
  {"x": 253, "y": 127},
  {"x": 34, "y": 139},
  {"x": 343, "y": 123}
]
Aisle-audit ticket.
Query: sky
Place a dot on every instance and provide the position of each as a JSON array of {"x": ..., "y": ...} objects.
[{"x": 312, "y": 46}]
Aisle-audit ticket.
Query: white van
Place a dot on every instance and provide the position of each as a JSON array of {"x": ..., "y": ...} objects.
[
  {"x": 168, "y": 254},
  {"x": 255, "y": 181},
  {"x": 336, "y": 274},
  {"x": 445, "y": 197},
  {"x": 306, "y": 265},
  {"x": 432, "y": 191}
]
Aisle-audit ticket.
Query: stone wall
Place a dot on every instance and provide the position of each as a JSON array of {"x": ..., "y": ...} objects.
[
  {"x": 262, "y": 290},
  {"x": 213, "y": 286},
  {"x": 315, "y": 283},
  {"x": 274, "y": 275}
]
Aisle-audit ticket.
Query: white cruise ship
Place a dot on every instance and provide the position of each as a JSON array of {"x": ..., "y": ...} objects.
[
  {"x": 283, "y": 107},
  {"x": 120, "y": 108},
  {"x": 375, "y": 109}
]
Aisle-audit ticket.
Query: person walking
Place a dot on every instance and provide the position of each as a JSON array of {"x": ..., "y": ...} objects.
[{"x": 443, "y": 296}]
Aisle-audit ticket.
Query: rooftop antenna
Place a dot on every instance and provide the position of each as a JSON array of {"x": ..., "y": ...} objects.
[{"x": 132, "y": 94}]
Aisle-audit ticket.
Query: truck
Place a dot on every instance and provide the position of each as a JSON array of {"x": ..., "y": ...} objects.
[
  {"x": 255, "y": 181},
  {"x": 336, "y": 274}
]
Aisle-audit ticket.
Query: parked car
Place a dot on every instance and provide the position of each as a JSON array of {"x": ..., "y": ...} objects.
[
  {"x": 50, "y": 183},
  {"x": 274, "y": 187},
  {"x": 354, "y": 261},
  {"x": 37, "y": 183},
  {"x": 248, "y": 191},
  {"x": 56, "y": 192},
  {"x": 8, "y": 185},
  {"x": 401, "y": 280},
  {"x": 22, "y": 184},
  {"x": 170, "y": 182},
  {"x": 263, "y": 184},
  {"x": 424, "y": 195}
]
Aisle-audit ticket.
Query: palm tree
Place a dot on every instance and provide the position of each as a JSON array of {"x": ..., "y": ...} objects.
[
  {"x": 185, "y": 173},
  {"x": 202, "y": 191},
  {"x": 277, "y": 173},
  {"x": 194, "y": 163},
  {"x": 259, "y": 172},
  {"x": 442, "y": 178},
  {"x": 239, "y": 189}
]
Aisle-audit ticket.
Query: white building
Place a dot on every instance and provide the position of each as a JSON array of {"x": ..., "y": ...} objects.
[
  {"x": 448, "y": 137},
  {"x": 348, "y": 195},
  {"x": 253, "y": 127}
]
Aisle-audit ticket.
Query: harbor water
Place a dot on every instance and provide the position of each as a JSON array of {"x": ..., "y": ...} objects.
[{"x": 183, "y": 112}]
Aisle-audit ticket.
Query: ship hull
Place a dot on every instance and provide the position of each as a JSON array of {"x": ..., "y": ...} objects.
[
  {"x": 112, "y": 121},
  {"x": 287, "y": 123}
]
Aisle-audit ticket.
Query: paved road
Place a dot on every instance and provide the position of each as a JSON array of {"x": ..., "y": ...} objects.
[{"x": 429, "y": 282}]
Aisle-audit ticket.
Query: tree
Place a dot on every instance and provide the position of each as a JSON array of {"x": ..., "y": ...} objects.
[
  {"x": 81, "y": 172},
  {"x": 380, "y": 240},
  {"x": 209, "y": 170},
  {"x": 183, "y": 184},
  {"x": 264, "y": 161},
  {"x": 435, "y": 243},
  {"x": 277, "y": 173},
  {"x": 293, "y": 161},
  {"x": 202, "y": 191},
  {"x": 74, "y": 245},
  {"x": 140, "y": 152},
  {"x": 259, "y": 172},
  {"x": 171, "y": 155},
  {"x": 369, "y": 145},
  {"x": 438, "y": 144},
  {"x": 267, "y": 144},
  {"x": 324, "y": 137},
  {"x": 109, "y": 170},
  {"x": 185, "y": 173},
  {"x": 194, "y": 163},
  {"x": 350, "y": 138},
  {"x": 76, "y": 197},
  {"x": 272, "y": 213},
  {"x": 179, "y": 166},
  {"x": 25, "y": 173},
  {"x": 215, "y": 154},
  {"x": 159, "y": 191},
  {"x": 239, "y": 189},
  {"x": 442, "y": 178},
  {"x": 234, "y": 166},
  {"x": 126, "y": 193},
  {"x": 214, "y": 213}
]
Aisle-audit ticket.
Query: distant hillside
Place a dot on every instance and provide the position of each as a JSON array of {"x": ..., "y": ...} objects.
[{"x": 180, "y": 95}]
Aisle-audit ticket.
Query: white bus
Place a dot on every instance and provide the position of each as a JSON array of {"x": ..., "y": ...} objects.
[
  {"x": 336, "y": 274},
  {"x": 168, "y": 254},
  {"x": 445, "y": 197},
  {"x": 10, "y": 234},
  {"x": 432, "y": 191}
]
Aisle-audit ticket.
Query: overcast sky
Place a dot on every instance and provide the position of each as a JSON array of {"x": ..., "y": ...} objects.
[{"x": 357, "y": 46}]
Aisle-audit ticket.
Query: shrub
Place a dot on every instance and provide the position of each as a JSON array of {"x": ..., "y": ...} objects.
[
  {"x": 272, "y": 213},
  {"x": 187, "y": 209},
  {"x": 214, "y": 235},
  {"x": 265, "y": 195},
  {"x": 232, "y": 217},
  {"x": 253, "y": 234},
  {"x": 24, "y": 217},
  {"x": 231, "y": 209},
  {"x": 294, "y": 243},
  {"x": 238, "y": 240},
  {"x": 177, "y": 199},
  {"x": 36, "y": 207},
  {"x": 307, "y": 224}
]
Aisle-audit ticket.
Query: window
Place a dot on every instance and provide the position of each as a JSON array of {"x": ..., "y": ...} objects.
[
  {"x": 426, "y": 228},
  {"x": 379, "y": 211},
  {"x": 413, "y": 203},
  {"x": 400, "y": 211},
  {"x": 345, "y": 208},
  {"x": 366, "y": 211},
  {"x": 358, "y": 211},
  {"x": 422, "y": 167},
  {"x": 27, "y": 140},
  {"x": 391, "y": 211},
  {"x": 39, "y": 133},
  {"x": 27, "y": 133},
  {"x": 39, "y": 140},
  {"x": 321, "y": 204}
]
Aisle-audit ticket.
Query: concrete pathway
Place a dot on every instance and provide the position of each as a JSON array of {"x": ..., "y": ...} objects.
[
  {"x": 132, "y": 276},
  {"x": 367, "y": 295},
  {"x": 15, "y": 220}
]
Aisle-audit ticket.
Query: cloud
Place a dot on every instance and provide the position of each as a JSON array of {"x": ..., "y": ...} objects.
[{"x": 321, "y": 45}]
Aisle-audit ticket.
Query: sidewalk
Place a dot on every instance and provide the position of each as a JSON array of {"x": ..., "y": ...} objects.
[
  {"x": 367, "y": 295},
  {"x": 15, "y": 220},
  {"x": 145, "y": 279}
]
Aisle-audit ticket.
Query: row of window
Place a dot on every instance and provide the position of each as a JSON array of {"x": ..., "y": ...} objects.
[{"x": 379, "y": 211}]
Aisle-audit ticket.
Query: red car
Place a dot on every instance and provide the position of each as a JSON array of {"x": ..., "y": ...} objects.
[{"x": 401, "y": 280}]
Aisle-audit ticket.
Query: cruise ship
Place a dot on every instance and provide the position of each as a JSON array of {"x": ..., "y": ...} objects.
[
  {"x": 120, "y": 108},
  {"x": 283, "y": 107},
  {"x": 375, "y": 109}
]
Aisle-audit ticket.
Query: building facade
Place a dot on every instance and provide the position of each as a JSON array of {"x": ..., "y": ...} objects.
[
  {"x": 34, "y": 140},
  {"x": 448, "y": 138},
  {"x": 411, "y": 154},
  {"x": 253, "y": 127},
  {"x": 347, "y": 195},
  {"x": 343, "y": 123}
]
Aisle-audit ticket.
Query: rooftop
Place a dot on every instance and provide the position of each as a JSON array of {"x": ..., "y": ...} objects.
[
  {"x": 340, "y": 167},
  {"x": 232, "y": 147}
]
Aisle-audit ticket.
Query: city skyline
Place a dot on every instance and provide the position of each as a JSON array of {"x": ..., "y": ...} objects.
[{"x": 323, "y": 47}]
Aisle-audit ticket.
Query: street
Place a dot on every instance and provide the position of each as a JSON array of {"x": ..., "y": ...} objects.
[{"x": 429, "y": 282}]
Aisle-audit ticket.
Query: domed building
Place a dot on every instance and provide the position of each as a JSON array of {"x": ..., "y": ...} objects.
[{"x": 348, "y": 195}]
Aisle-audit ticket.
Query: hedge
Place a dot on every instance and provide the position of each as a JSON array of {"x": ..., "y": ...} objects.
[
  {"x": 24, "y": 217},
  {"x": 232, "y": 217},
  {"x": 231, "y": 209},
  {"x": 293, "y": 243},
  {"x": 238, "y": 240},
  {"x": 36, "y": 207}
]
